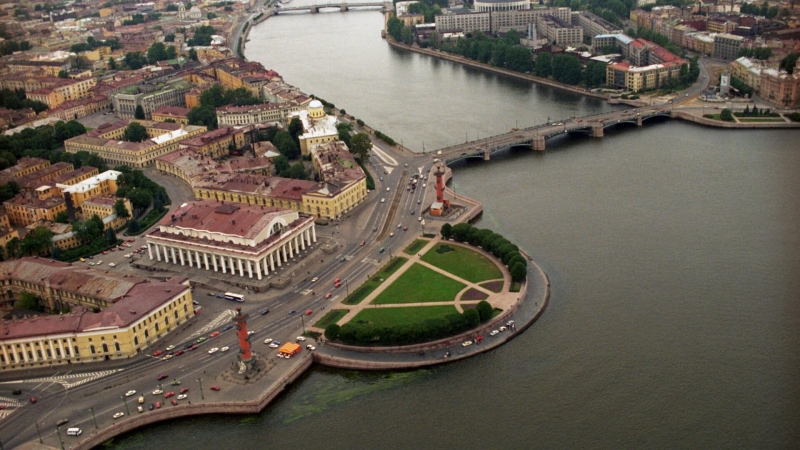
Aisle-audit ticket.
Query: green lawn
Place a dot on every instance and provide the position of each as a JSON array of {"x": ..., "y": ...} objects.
[
  {"x": 365, "y": 289},
  {"x": 760, "y": 119},
  {"x": 389, "y": 317},
  {"x": 463, "y": 262},
  {"x": 333, "y": 316},
  {"x": 415, "y": 246},
  {"x": 420, "y": 284}
]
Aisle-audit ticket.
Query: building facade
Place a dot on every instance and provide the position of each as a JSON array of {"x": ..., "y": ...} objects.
[{"x": 726, "y": 46}]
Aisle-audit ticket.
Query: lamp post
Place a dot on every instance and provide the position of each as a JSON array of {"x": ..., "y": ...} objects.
[
  {"x": 37, "y": 432},
  {"x": 346, "y": 289},
  {"x": 94, "y": 418},
  {"x": 390, "y": 252},
  {"x": 200, "y": 382},
  {"x": 58, "y": 430},
  {"x": 160, "y": 388},
  {"x": 303, "y": 320},
  {"x": 126, "y": 405}
]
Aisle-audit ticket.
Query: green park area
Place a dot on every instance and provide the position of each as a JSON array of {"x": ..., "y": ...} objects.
[
  {"x": 415, "y": 246},
  {"x": 374, "y": 281},
  {"x": 391, "y": 317},
  {"x": 332, "y": 316},
  {"x": 463, "y": 262},
  {"x": 419, "y": 284},
  {"x": 760, "y": 119}
]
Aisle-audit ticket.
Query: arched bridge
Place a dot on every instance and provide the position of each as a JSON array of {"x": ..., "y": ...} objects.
[
  {"x": 536, "y": 136},
  {"x": 341, "y": 6}
]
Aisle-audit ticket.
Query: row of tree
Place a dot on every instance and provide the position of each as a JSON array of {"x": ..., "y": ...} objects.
[
  {"x": 365, "y": 333},
  {"x": 17, "y": 99},
  {"x": 202, "y": 36},
  {"x": 504, "y": 52},
  {"x": 40, "y": 141},
  {"x": 213, "y": 98},
  {"x": 493, "y": 243}
]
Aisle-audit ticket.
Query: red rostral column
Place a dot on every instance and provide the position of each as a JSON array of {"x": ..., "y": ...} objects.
[
  {"x": 440, "y": 186},
  {"x": 244, "y": 339}
]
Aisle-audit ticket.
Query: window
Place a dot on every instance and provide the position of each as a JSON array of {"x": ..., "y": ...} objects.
[
  {"x": 116, "y": 346},
  {"x": 91, "y": 349}
]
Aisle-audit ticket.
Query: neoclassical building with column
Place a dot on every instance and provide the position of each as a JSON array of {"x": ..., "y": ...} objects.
[{"x": 236, "y": 239}]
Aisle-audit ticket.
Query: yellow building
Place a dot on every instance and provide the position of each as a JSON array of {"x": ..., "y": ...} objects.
[
  {"x": 176, "y": 114},
  {"x": 25, "y": 166},
  {"x": 6, "y": 232},
  {"x": 318, "y": 127},
  {"x": 134, "y": 313},
  {"x": 101, "y": 185},
  {"x": 25, "y": 208},
  {"x": 104, "y": 207},
  {"x": 216, "y": 143}
]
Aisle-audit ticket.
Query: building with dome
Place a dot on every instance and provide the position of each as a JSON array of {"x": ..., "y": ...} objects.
[
  {"x": 318, "y": 127},
  {"x": 501, "y": 5}
]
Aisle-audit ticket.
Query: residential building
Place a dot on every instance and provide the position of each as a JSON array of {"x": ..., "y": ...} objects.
[
  {"x": 216, "y": 143},
  {"x": 559, "y": 32},
  {"x": 726, "y": 46},
  {"x": 638, "y": 79},
  {"x": 257, "y": 114},
  {"x": 242, "y": 240},
  {"x": 134, "y": 313},
  {"x": 781, "y": 87},
  {"x": 318, "y": 127},
  {"x": 501, "y": 5},
  {"x": 593, "y": 24},
  {"x": 104, "y": 184},
  {"x": 150, "y": 98},
  {"x": 176, "y": 114}
]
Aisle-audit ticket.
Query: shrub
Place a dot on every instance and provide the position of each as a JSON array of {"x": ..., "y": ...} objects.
[
  {"x": 485, "y": 310},
  {"x": 332, "y": 332}
]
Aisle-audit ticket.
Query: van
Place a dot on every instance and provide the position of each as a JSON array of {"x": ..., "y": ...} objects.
[{"x": 74, "y": 432}]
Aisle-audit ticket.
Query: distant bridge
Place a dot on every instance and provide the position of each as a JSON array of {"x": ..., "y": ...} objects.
[
  {"x": 341, "y": 6},
  {"x": 536, "y": 136}
]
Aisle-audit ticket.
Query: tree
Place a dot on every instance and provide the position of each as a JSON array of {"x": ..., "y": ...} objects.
[
  {"x": 285, "y": 144},
  {"x": 133, "y": 226},
  {"x": 726, "y": 115},
  {"x": 193, "y": 54},
  {"x": 446, "y": 231},
  {"x": 135, "y": 132},
  {"x": 135, "y": 60},
  {"x": 281, "y": 164},
  {"x": 112, "y": 63},
  {"x": 62, "y": 217},
  {"x": 295, "y": 129},
  {"x": 139, "y": 113},
  {"x": 332, "y": 332},
  {"x": 13, "y": 248},
  {"x": 485, "y": 310},
  {"x": 473, "y": 318},
  {"x": 111, "y": 237},
  {"x": 567, "y": 69},
  {"x": 29, "y": 301},
  {"x": 595, "y": 74},
  {"x": 407, "y": 36},
  {"x": 203, "y": 115},
  {"x": 543, "y": 67},
  {"x": 157, "y": 52},
  {"x": 121, "y": 210},
  {"x": 63, "y": 74},
  {"x": 213, "y": 97},
  {"x": 395, "y": 27},
  {"x": 360, "y": 145},
  {"x": 170, "y": 37}
]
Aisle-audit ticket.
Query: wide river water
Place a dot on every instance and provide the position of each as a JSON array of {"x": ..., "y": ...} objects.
[{"x": 673, "y": 252}]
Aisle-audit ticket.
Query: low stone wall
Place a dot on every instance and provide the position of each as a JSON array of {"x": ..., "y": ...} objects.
[
  {"x": 168, "y": 412},
  {"x": 740, "y": 125}
]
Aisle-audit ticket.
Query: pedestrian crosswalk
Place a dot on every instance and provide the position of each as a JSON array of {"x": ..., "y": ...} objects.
[
  {"x": 68, "y": 380},
  {"x": 224, "y": 317},
  {"x": 8, "y": 404}
]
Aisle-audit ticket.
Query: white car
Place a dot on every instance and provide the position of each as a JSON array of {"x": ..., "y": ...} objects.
[
  {"x": 419, "y": 219},
  {"x": 280, "y": 355},
  {"x": 314, "y": 280},
  {"x": 503, "y": 328},
  {"x": 91, "y": 263},
  {"x": 388, "y": 189},
  {"x": 158, "y": 392},
  {"x": 182, "y": 397},
  {"x": 267, "y": 340},
  {"x": 118, "y": 415},
  {"x": 273, "y": 345},
  {"x": 98, "y": 263},
  {"x": 224, "y": 349},
  {"x": 310, "y": 348},
  {"x": 493, "y": 333},
  {"x": 466, "y": 343},
  {"x": 170, "y": 347},
  {"x": 112, "y": 265},
  {"x": 383, "y": 200},
  {"x": 301, "y": 338},
  {"x": 251, "y": 332},
  {"x": 130, "y": 393},
  {"x": 213, "y": 350}
]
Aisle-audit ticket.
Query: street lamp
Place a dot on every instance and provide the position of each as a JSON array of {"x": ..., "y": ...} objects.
[
  {"x": 93, "y": 417},
  {"x": 200, "y": 381},
  {"x": 160, "y": 388},
  {"x": 346, "y": 288},
  {"x": 37, "y": 432},
  {"x": 58, "y": 430},
  {"x": 302, "y": 319},
  {"x": 126, "y": 404}
]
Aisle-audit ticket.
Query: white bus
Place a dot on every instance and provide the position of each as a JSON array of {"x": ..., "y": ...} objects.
[{"x": 234, "y": 297}]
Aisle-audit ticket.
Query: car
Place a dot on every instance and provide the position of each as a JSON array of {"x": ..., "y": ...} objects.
[
  {"x": 419, "y": 202},
  {"x": 329, "y": 295},
  {"x": 151, "y": 407},
  {"x": 374, "y": 228},
  {"x": 91, "y": 263},
  {"x": 83, "y": 260},
  {"x": 157, "y": 353},
  {"x": 391, "y": 234},
  {"x": 195, "y": 303},
  {"x": 405, "y": 228},
  {"x": 580, "y": 120},
  {"x": 33, "y": 399},
  {"x": 466, "y": 343},
  {"x": 292, "y": 311},
  {"x": 301, "y": 338},
  {"x": 99, "y": 262},
  {"x": 227, "y": 327},
  {"x": 381, "y": 250},
  {"x": 139, "y": 409},
  {"x": 338, "y": 284},
  {"x": 383, "y": 200},
  {"x": 169, "y": 394},
  {"x": 214, "y": 334},
  {"x": 188, "y": 346},
  {"x": 314, "y": 280},
  {"x": 184, "y": 390},
  {"x": 158, "y": 392},
  {"x": 112, "y": 265},
  {"x": 274, "y": 345},
  {"x": 141, "y": 399},
  {"x": 419, "y": 219},
  {"x": 509, "y": 323},
  {"x": 424, "y": 184},
  {"x": 251, "y": 332},
  {"x": 412, "y": 212},
  {"x": 493, "y": 333},
  {"x": 281, "y": 355},
  {"x": 182, "y": 397},
  {"x": 127, "y": 255},
  {"x": 213, "y": 350},
  {"x": 174, "y": 402},
  {"x": 162, "y": 377},
  {"x": 17, "y": 391},
  {"x": 310, "y": 348},
  {"x": 503, "y": 328},
  {"x": 399, "y": 225},
  {"x": 267, "y": 340},
  {"x": 105, "y": 252},
  {"x": 112, "y": 249},
  {"x": 388, "y": 189},
  {"x": 214, "y": 388},
  {"x": 381, "y": 178},
  {"x": 130, "y": 240},
  {"x": 118, "y": 415},
  {"x": 179, "y": 353},
  {"x": 211, "y": 294},
  {"x": 264, "y": 311},
  {"x": 130, "y": 393},
  {"x": 310, "y": 311},
  {"x": 176, "y": 382},
  {"x": 224, "y": 349},
  {"x": 61, "y": 422},
  {"x": 362, "y": 243},
  {"x": 170, "y": 347},
  {"x": 158, "y": 405},
  {"x": 200, "y": 340},
  {"x": 219, "y": 296}
]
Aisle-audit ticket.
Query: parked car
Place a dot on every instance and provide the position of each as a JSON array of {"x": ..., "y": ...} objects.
[
  {"x": 151, "y": 406},
  {"x": 162, "y": 377},
  {"x": 158, "y": 405},
  {"x": 314, "y": 280},
  {"x": 139, "y": 409},
  {"x": 224, "y": 349},
  {"x": 169, "y": 394},
  {"x": 33, "y": 399},
  {"x": 118, "y": 415},
  {"x": 61, "y": 422},
  {"x": 301, "y": 338},
  {"x": 466, "y": 343},
  {"x": 174, "y": 402},
  {"x": 267, "y": 340},
  {"x": 176, "y": 382},
  {"x": 182, "y": 397},
  {"x": 158, "y": 392},
  {"x": 214, "y": 388},
  {"x": 264, "y": 311},
  {"x": 184, "y": 390},
  {"x": 130, "y": 393}
]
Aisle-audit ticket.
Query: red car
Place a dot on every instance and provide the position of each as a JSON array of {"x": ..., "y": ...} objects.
[
  {"x": 328, "y": 295},
  {"x": 309, "y": 312},
  {"x": 338, "y": 280},
  {"x": 169, "y": 394},
  {"x": 194, "y": 347},
  {"x": 214, "y": 334},
  {"x": 174, "y": 402},
  {"x": 363, "y": 242},
  {"x": 179, "y": 353},
  {"x": 157, "y": 353},
  {"x": 33, "y": 399},
  {"x": 214, "y": 388},
  {"x": 158, "y": 405},
  {"x": 105, "y": 253},
  {"x": 161, "y": 377},
  {"x": 184, "y": 390},
  {"x": 338, "y": 284}
]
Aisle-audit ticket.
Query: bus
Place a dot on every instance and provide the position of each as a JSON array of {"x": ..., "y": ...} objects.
[{"x": 234, "y": 297}]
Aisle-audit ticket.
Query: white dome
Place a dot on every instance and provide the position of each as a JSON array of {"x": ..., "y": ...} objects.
[{"x": 315, "y": 104}]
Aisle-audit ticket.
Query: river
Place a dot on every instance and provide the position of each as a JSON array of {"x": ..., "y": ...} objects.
[{"x": 673, "y": 252}]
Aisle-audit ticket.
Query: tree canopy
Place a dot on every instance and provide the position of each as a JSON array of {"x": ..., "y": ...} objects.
[{"x": 135, "y": 132}]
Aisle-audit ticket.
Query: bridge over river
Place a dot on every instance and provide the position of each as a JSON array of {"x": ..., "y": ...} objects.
[
  {"x": 341, "y": 6},
  {"x": 536, "y": 136}
]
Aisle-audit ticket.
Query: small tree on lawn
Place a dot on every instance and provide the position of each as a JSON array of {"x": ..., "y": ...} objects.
[
  {"x": 485, "y": 310},
  {"x": 473, "y": 318},
  {"x": 447, "y": 231},
  {"x": 332, "y": 332}
]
